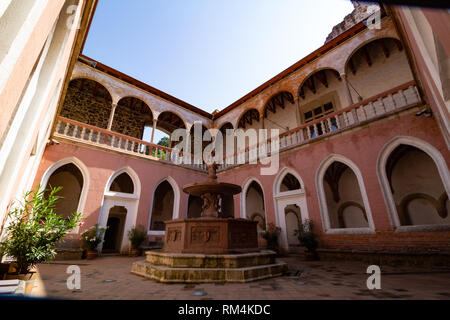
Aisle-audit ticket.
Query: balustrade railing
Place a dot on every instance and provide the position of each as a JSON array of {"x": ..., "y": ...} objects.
[
  {"x": 384, "y": 104},
  {"x": 104, "y": 138}
]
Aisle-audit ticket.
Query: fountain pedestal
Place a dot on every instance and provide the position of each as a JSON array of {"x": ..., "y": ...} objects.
[
  {"x": 210, "y": 248},
  {"x": 211, "y": 236}
]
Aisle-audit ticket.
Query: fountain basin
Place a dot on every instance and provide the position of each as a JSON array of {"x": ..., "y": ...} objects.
[
  {"x": 211, "y": 236},
  {"x": 198, "y": 189}
]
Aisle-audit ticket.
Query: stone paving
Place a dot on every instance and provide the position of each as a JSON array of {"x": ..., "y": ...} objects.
[{"x": 110, "y": 278}]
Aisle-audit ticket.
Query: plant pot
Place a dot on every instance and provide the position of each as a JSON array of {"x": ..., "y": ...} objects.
[
  {"x": 4, "y": 268},
  {"x": 133, "y": 252},
  {"x": 311, "y": 255},
  {"x": 29, "y": 279},
  {"x": 91, "y": 254}
]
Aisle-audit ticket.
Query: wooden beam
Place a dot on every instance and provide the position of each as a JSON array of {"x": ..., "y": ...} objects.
[
  {"x": 323, "y": 77},
  {"x": 288, "y": 96},
  {"x": 352, "y": 66},
  {"x": 311, "y": 85},
  {"x": 385, "y": 49},
  {"x": 302, "y": 93},
  {"x": 367, "y": 56}
]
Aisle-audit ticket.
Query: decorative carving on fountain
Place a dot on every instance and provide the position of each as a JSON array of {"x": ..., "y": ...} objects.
[
  {"x": 211, "y": 233},
  {"x": 211, "y": 205},
  {"x": 212, "y": 171}
]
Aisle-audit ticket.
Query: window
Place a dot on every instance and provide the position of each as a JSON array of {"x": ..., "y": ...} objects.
[{"x": 317, "y": 113}]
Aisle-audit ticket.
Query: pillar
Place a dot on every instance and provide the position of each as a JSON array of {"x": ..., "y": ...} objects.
[
  {"x": 111, "y": 116},
  {"x": 347, "y": 86},
  {"x": 153, "y": 130}
]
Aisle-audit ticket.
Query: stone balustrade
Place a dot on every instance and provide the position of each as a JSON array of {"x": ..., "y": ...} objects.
[{"x": 381, "y": 105}]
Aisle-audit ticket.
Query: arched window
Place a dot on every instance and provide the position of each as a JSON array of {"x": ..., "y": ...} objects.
[
  {"x": 163, "y": 203},
  {"x": 343, "y": 198},
  {"x": 122, "y": 183},
  {"x": 254, "y": 204},
  {"x": 289, "y": 183},
  {"x": 416, "y": 187},
  {"x": 70, "y": 178}
]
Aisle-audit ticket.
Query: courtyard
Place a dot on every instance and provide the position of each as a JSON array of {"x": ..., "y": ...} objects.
[{"x": 109, "y": 278}]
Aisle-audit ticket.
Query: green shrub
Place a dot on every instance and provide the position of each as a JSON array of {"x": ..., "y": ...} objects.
[
  {"x": 306, "y": 236},
  {"x": 137, "y": 236},
  {"x": 35, "y": 228},
  {"x": 93, "y": 236},
  {"x": 271, "y": 235}
]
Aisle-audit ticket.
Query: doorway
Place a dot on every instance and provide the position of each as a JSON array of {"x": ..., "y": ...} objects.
[
  {"x": 290, "y": 207},
  {"x": 114, "y": 234}
]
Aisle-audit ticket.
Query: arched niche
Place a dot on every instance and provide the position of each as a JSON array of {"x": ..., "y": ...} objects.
[
  {"x": 75, "y": 167},
  {"x": 342, "y": 197},
  {"x": 253, "y": 204},
  {"x": 165, "y": 205},
  {"x": 415, "y": 182}
]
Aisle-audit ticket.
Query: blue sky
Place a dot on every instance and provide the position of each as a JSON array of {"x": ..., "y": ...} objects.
[{"x": 209, "y": 53}]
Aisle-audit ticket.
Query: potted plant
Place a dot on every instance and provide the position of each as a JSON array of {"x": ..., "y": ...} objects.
[
  {"x": 91, "y": 238},
  {"x": 308, "y": 239},
  {"x": 271, "y": 235},
  {"x": 32, "y": 234},
  {"x": 136, "y": 236}
]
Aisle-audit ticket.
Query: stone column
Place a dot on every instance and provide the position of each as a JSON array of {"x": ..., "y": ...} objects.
[
  {"x": 111, "y": 116},
  {"x": 347, "y": 86},
  {"x": 153, "y": 130},
  {"x": 262, "y": 119},
  {"x": 298, "y": 112}
]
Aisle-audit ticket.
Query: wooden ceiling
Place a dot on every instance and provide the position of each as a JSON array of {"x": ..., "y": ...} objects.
[
  {"x": 169, "y": 122},
  {"x": 248, "y": 118},
  {"x": 278, "y": 100},
  {"x": 91, "y": 87}
]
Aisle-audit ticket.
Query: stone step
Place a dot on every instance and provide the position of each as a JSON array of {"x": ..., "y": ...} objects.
[
  {"x": 228, "y": 261},
  {"x": 68, "y": 254},
  {"x": 207, "y": 275}
]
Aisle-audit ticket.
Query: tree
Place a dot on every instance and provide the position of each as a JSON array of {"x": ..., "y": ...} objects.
[{"x": 165, "y": 142}]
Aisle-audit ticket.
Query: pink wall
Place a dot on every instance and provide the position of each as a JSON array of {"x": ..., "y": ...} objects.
[
  {"x": 362, "y": 147},
  {"x": 102, "y": 165}
]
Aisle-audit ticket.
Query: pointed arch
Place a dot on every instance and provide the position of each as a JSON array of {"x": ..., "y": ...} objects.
[
  {"x": 288, "y": 204},
  {"x": 127, "y": 202},
  {"x": 176, "y": 203},
  {"x": 86, "y": 180},
  {"x": 279, "y": 180},
  {"x": 382, "y": 161},
  {"x": 244, "y": 201},
  {"x": 325, "y": 214},
  {"x": 133, "y": 176}
]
